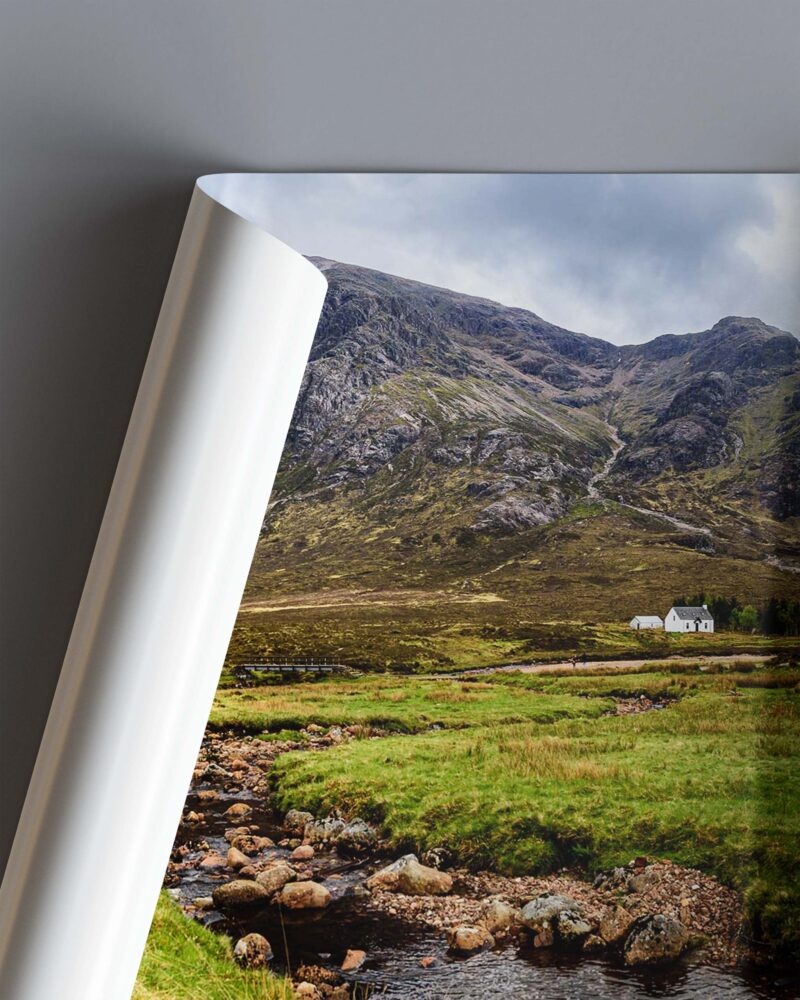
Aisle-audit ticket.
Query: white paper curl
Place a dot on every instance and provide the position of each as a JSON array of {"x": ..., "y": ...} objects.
[{"x": 158, "y": 608}]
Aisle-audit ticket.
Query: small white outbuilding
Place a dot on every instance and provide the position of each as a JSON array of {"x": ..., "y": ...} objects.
[
  {"x": 646, "y": 621},
  {"x": 680, "y": 619}
]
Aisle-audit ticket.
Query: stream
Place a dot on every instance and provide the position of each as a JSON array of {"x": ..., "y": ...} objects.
[{"x": 395, "y": 944}]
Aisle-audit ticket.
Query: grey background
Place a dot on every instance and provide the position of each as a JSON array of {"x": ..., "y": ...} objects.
[{"x": 110, "y": 110}]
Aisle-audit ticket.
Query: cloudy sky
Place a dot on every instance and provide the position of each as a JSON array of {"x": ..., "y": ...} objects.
[{"x": 623, "y": 257}]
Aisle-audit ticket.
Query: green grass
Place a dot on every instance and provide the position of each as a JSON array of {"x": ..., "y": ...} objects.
[
  {"x": 184, "y": 961},
  {"x": 394, "y": 703},
  {"x": 713, "y": 781}
]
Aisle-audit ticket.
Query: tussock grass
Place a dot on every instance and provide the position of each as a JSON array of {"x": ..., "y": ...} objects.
[{"x": 184, "y": 961}]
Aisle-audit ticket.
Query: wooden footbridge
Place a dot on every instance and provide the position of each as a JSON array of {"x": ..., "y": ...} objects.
[{"x": 292, "y": 665}]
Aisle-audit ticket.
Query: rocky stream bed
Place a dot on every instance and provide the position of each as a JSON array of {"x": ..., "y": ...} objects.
[{"x": 324, "y": 900}]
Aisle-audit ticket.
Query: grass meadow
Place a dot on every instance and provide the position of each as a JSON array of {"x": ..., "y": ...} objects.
[{"x": 528, "y": 773}]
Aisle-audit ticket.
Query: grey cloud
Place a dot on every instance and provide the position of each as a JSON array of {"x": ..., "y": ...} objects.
[{"x": 625, "y": 257}]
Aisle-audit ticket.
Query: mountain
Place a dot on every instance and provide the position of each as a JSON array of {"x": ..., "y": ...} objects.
[{"x": 455, "y": 464}]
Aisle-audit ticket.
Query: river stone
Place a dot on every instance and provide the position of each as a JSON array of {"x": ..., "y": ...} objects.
[
  {"x": 249, "y": 843},
  {"x": 552, "y": 917},
  {"x": 498, "y": 915},
  {"x": 295, "y": 820},
  {"x": 657, "y": 938},
  {"x": 304, "y": 896},
  {"x": 408, "y": 876},
  {"x": 236, "y": 831},
  {"x": 239, "y": 810},
  {"x": 213, "y": 860},
  {"x": 236, "y": 859},
  {"x": 466, "y": 939},
  {"x": 615, "y": 925},
  {"x": 239, "y": 893},
  {"x": 276, "y": 876},
  {"x": 307, "y": 991},
  {"x": 252, "y": 951},
  {"x": 303, "y": 853},
  {"x": 353, "y": 960}
]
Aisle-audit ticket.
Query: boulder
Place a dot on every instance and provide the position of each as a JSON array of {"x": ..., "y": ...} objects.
[
  {"x": 556, "y": 919},
  {"x": 307, "y": 991},
  {"x": 303, "y": 853},
  {"x": 356, "y": 836},
  {"x": 347, "y": 836},
  {"x": 239, "y": 894},
  {"x": 304, "y": 896},
  {"x": 498, "y": 915},
  {"x": 239, "y": 810},
  {"x": 656, "y": 938},
  {"x": 353, "y": 960},
  {"x": 408, "y": 876},
  {"x": 322, "y": 831},
  {"x": 615, "y": 925},
  {"x": 467, "y": 939},
  {"x": 642, "y": 881},
  {"x": 236, "y": 859},
  {"x": 252, "y": 951},
  {"x": 295, "y": 820},
  {"x": 276, "y": 876}
]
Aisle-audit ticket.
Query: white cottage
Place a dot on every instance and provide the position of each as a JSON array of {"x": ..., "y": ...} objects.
[
  {"x": 646, "y": 621},
  {"x": 689, "y": 620}
]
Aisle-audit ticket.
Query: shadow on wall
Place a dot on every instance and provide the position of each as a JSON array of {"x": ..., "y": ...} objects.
[{"x": 89, "y": 242}]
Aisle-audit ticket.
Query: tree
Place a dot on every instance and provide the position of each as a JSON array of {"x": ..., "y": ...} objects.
[{"x": 746, "y": 618}]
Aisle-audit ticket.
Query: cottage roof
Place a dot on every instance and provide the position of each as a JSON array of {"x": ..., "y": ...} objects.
[
  {"x": 689, "y": 614},
  {"x": 650, "y": 619}
]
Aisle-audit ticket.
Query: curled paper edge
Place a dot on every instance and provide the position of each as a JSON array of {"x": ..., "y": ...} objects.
[{"x": 158, "y": 607}]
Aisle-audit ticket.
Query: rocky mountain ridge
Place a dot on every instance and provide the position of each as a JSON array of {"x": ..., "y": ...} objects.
[
  {"x": 399, "y": 368},
  {"x": 444, "y": 439}
]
